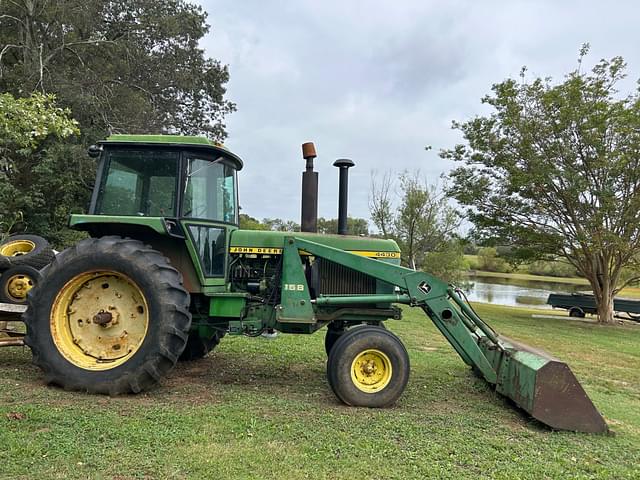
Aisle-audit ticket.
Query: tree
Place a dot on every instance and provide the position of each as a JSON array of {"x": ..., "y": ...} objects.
[
  {"x": 422, "y": 222},
  {"x": 131, "y": 66},
  {"x": 280, "y": 225},
  {"x": 249, "y": 223},
  {"x": 555, "y": 171},
  {"x": 355, "y": 226},
  {"x": 119, "y": 66},
  {"x": 28, "y": 126}
]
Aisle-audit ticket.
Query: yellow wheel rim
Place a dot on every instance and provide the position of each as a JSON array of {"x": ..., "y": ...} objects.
[
  {"x": 17, "y": 247},
  {"x": 371, "y": 371},
  {"x": 99, "y": 320},
  {"x": 18, "y": 286}
]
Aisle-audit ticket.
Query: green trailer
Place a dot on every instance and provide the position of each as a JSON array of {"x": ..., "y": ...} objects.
[{"x": 166, "y": 273}]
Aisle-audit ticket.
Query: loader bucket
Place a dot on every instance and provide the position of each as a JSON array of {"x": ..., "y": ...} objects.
[{"x": 542, "y": 385}]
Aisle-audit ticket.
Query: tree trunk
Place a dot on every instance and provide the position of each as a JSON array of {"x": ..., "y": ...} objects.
[{"x": 605, "y": 308}]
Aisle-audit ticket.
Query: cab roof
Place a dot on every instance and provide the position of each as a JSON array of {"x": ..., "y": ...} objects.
[{"x": 191, "y": 142}]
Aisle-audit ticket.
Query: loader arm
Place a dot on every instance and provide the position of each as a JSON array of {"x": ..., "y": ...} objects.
[{"x": 538, "y": 383}]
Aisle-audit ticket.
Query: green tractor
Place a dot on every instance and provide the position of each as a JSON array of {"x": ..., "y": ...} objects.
[{"x": 166, "y": 273}]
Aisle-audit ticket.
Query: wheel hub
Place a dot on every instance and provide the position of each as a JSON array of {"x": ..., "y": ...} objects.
[
  {"x": 99, "y": 320},
  {"x": 16, "y": 248},
  {"x": 19, "y": 285},
  {"x": 371, "y": 371}
]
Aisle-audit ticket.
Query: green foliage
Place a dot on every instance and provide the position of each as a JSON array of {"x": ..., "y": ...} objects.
[
  {"x": 125, "y": 66},
  {"x": 40, "y": 179},
  {"x": 355, "y": 226},
  {"x": 447, "y": 263},
  {"x": 249, "y": 223},
  {"x": 551, "y": 268},
  {"x": 128, "y": 66},
  {"x": 555, "y": 169},
  {"x": 489, "y": 260},
  {"x": 281, "y": 225},
  {"x": 26, "y": 122},
  {"x": 421, "y": 220}
]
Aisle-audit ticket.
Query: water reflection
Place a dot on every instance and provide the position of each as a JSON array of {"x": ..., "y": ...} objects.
[{"x": 515, "y": 292}]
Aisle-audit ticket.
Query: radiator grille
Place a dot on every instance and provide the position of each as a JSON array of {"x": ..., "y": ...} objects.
[{"x": 335, "y": 279}]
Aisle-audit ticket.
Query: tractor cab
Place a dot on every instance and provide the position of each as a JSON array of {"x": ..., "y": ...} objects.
[
  {"x": 164, "y": 189},
  {"x": 166, "y": 176}
]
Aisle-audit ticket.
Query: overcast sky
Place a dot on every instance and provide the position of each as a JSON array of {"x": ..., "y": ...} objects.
[{"x": 376, "y": 81}]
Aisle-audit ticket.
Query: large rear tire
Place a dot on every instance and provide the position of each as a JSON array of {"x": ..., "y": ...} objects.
[
  {"x": 30, "y": 250},
  {"x": 368, "y": 367},
  {"x": 111, "y": 316}
]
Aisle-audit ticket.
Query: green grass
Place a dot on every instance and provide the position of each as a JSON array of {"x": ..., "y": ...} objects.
[{"x": 262, "y": 409}]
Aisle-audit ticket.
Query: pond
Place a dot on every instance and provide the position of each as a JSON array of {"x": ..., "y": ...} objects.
[{"x": 516, "y": 292}]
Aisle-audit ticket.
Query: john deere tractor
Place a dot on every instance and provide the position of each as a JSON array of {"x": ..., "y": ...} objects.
[{"x": 166, "y": 273}]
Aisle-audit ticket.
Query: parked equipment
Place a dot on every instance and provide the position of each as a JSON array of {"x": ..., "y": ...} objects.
[
  {"x": 579, "y": 304},
  {"x": 21, "y": 258},
  {"x": 167, "y": 272}
]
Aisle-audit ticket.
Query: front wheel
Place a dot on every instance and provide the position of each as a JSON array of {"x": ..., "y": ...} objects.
[
  {"x": 198, "y": 347},
  {"x": 111, "y": 316},
  {"x": 368, "y": 367}
]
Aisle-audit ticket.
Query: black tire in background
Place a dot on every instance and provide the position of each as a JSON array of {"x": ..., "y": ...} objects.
[
  {"x": 16, "y": 282},
  {"x": 576, "y": 312},
  {"x": 198, "y": 347},
  {"x": 167, "y": 314},
  {"x": 38, "y": 255},
  {"x": 354, "y": 344}
]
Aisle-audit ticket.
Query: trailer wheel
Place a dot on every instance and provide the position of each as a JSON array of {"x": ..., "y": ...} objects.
[
  {"x": 111, "y": 316},
  {"x": 198, "y": 347},
  {"x": 576, "y": 312},
  {"x": 368, "y": 367},
  {"x": 30, "y": 250},
  {"x": 16, "y": 282}
]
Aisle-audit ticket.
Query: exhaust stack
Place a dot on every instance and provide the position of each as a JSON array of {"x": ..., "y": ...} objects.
[
  {"x": 344, "y": 164},
  {"x": 309, "y": 220}
]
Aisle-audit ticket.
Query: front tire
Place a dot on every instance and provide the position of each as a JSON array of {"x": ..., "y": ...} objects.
[
  {"x": 368, "y": 367},
  {"x": 198, "y": 347},
  {"x": 111, "y": 316}
]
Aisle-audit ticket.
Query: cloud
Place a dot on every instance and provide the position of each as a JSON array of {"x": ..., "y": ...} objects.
[{"x": 376, "y": 81}]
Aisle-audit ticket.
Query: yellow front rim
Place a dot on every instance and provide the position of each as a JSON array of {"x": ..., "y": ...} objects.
[
  {"x": 99, "y": 320},
  {"x": 18, "y": 286},
  {"x": 17, "y": 247},
  {"x": 371, "y": 371}
]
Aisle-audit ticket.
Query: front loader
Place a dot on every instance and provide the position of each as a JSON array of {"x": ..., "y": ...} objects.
[{"x": 166, "y": 273}]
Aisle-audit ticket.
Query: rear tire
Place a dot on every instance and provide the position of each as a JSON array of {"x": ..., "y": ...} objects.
[
  {"x": 111, "y": 316},
  {"x": 30, "y": 250},
  {"x": 368, "y": 367},
  {"x": 16, "y": 282}
]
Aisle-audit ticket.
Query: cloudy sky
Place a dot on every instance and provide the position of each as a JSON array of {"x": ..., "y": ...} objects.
[{"x": 376, "y": 81}]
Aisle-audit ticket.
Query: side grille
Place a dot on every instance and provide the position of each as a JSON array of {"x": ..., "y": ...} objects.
[{"x": 330, "y": 278}]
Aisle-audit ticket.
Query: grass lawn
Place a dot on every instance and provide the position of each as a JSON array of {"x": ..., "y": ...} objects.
[{"x": 262, "y": 409}]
